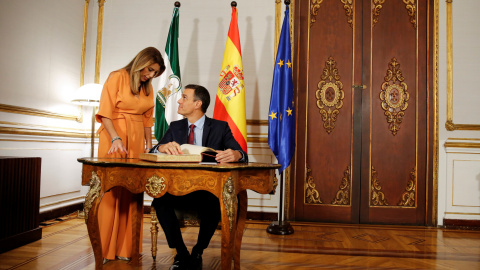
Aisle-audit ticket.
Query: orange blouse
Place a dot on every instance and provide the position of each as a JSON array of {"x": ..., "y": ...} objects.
[{"x": 130, "y": 115}]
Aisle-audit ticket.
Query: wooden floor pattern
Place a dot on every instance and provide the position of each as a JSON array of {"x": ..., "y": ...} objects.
[{"x": 65, "y": 245}]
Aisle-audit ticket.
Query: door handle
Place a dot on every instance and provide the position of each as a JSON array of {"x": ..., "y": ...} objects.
[{"x": 361, "y": 86}]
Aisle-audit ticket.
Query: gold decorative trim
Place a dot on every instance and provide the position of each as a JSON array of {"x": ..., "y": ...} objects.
[
  {"x": 408, "y": 197},
  {"x": 314, "y": 6},
  {"x": 155, "y": 185},
  {"x": 93, "y": 193},
  {"x": 40, "y": 113},
  {"x": 311, "y": 194},
  {"x": 39, "y": 132},
  {"x": 410, "y": 5},
  {"x": 436, "y": 116},
  {"x": 84, "y": 42},
  {"x": 330, "y": 94},
  {"x": 228, "y": 196},
  {"x": 343, "y": 195},
  {"x": 394, "y": 96},
  {"x": 461, "y": 145},
  {"x": 278, "y": 26},
  {"x": 98, "y": 56},
  {"x": 348, "y": 6},
  {"x": 255, "y": 122},
  {"x": 449, "y": 124},
  {"x": 257, "y": 140},
  {"x": 377, "y": 196},
  {"x": 377, "y": 6}
]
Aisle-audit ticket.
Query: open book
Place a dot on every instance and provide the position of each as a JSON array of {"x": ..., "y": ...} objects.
[{"x": 191, "y": 153}]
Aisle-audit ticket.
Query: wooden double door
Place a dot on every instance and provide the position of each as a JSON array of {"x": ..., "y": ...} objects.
[{"x": 365, "y": 112}]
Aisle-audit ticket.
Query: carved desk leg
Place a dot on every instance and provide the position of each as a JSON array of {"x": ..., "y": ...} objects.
[
  {"x": 92, "y": 201},
  {"x": 228, "y": 207},
  {"x": 242, "y": 216},
  {"x": 154, "y": 232}
]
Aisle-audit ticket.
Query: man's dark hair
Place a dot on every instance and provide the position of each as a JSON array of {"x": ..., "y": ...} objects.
[{"x": 200, "y": 93}]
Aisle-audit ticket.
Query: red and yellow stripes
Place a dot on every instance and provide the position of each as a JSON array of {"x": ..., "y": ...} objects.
[{"x": 230, "y": 100}]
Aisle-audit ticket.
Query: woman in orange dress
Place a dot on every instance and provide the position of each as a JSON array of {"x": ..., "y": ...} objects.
[{"x": 126, "y": 114}]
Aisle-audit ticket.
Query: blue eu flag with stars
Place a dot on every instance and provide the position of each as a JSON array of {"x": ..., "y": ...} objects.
[{"x": 281, "y": 115}]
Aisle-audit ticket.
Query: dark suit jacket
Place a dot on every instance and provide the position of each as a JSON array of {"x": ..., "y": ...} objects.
[{"x": 216, "y": 135}]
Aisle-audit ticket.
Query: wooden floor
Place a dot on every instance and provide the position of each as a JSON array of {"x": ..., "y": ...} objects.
[{"x": 65, "y": 245}]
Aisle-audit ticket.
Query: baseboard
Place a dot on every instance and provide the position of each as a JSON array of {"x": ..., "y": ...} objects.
[
  {"x": 464, "y": 224},
  {"x": 60, "y": 212},
  {"x": 20, "y": 239}
]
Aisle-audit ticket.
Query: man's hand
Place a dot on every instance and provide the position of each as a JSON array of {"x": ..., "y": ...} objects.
[
  {"x": 171, "y": 148},
  {"x": 228, "y": 155}
]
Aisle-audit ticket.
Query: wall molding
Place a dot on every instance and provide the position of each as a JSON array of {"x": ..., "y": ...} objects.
[
  {"x": 449, "y": 124},
  {"x": 41, "y": 113}
]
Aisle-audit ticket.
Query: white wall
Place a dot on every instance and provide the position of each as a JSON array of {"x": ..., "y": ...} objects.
[{"x": 459, "y": 150}]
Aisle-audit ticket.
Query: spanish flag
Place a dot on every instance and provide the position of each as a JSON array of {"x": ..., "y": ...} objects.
[{"x": 230, "y": 100}]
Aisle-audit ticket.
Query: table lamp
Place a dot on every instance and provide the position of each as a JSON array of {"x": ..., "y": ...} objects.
[{"x": 89, "y": 95}]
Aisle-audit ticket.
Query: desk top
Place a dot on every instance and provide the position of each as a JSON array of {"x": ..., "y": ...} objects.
[{"x": 138, "y": 163}]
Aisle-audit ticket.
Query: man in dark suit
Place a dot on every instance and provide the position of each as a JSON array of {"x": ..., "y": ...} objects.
[{"x": 197, "y": 129}]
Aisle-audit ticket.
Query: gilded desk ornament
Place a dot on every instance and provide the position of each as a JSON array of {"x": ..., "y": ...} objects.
[
  {"x": 311, "y": 194},
  {"x": 275, "y": 184},
  {"x": 228, "y": 196},
  {"x": 155, "y": 185},
  {"x": 314, "y": 6},
  {"x": 330, "y": 95},
  {"x": 408, "y": 197},
  {"x": 394, "y": 96},
  {"x": 377, "y": 6},
  {"x": 343, "y": 195},
  {"x": 377, "y": 196},
  {"x": 93, "y": 192},
  {"x": 348, "y": 6}
]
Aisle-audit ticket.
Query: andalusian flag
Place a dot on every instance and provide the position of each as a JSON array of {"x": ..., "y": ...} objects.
[
  {"x": 170, "y": 84},
  {"x": 230, "y": 101}
]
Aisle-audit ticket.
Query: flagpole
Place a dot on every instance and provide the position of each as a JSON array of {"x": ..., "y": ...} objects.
[{"x": 281, "y": 227}]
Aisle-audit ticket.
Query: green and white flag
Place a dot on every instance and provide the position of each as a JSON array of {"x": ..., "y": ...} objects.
[{"x": 170, "y": 84}]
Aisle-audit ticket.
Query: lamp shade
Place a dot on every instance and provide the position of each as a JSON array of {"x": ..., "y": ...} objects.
[{"x": 88, "y": 94}]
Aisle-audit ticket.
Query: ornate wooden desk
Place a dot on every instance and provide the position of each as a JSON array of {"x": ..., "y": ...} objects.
[{"x": 227, "y": 181}]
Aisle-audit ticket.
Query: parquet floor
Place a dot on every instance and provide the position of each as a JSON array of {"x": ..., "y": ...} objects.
[{"x": 65, "y": 245}]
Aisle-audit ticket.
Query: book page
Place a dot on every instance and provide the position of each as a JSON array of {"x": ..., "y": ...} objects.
[{"x": 191, "y": 149}]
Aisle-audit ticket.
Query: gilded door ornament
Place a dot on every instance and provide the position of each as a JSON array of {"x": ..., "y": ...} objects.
[
  {"x": 314, "y": 6},
  {"x": 311, "y": 194},
  {"x": 92, "y": 195},
  {"x": 228, "y": 196},
  {"x": 410, "y": 5},
  {"x": 348, "y": 6},
  {"x": 377, "y": 196},
  {"x": 377, "y": 6},
  {"x": 330, "y": 95},
  {"x": 343, "y": 195},
  {"x": 408, "y": 197},
  {"x": 394, "y": 96},
  {"x": 155, "y": 185}
]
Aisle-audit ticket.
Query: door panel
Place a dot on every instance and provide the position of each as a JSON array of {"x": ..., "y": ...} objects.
[{"x": 363, "y": 111}]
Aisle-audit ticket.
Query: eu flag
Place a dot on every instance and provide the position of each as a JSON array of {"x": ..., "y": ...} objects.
[{"x": 281, "y": 118}]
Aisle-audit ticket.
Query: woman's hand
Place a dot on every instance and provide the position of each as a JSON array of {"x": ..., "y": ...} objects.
[{"x": 117, "y": 146}]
